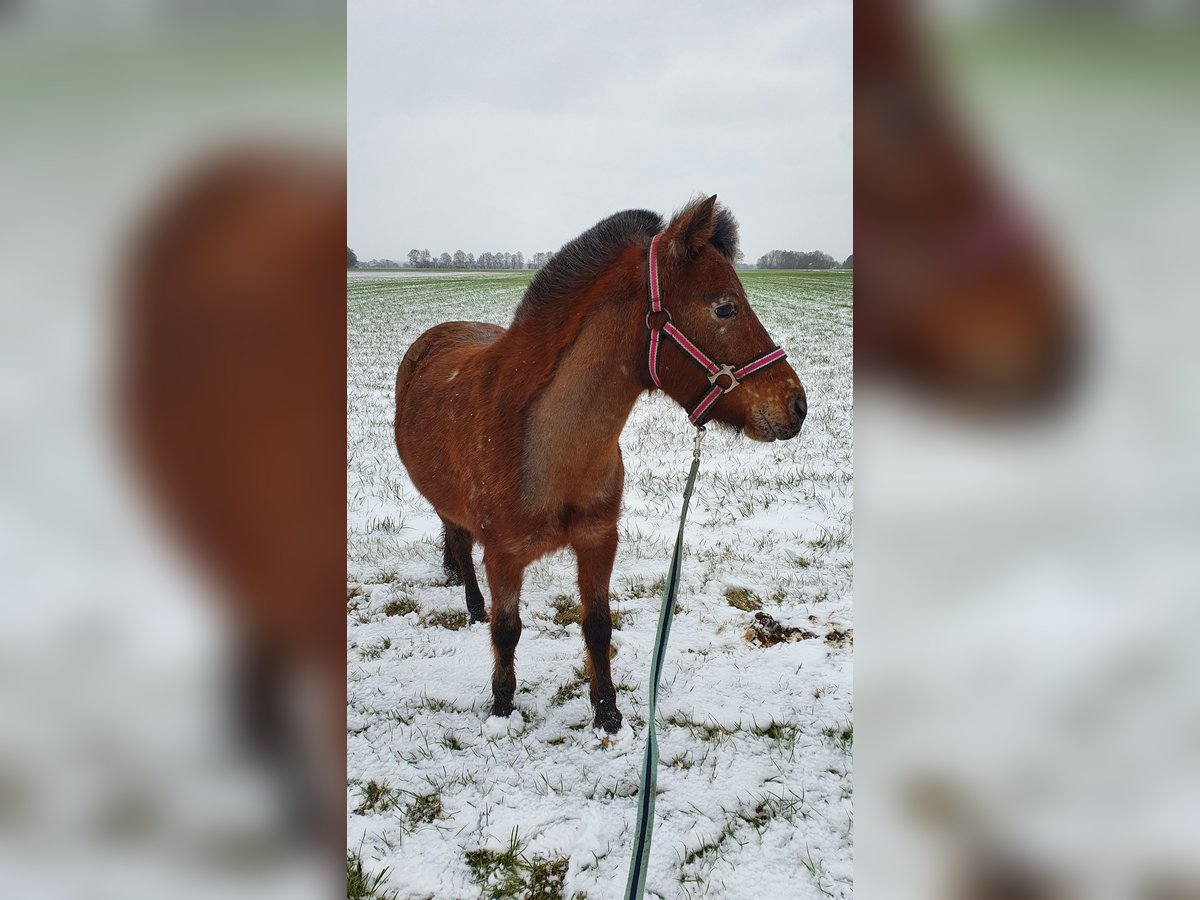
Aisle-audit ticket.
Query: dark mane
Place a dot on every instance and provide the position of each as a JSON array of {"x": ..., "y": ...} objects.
[{"x": 582, "y": 260}]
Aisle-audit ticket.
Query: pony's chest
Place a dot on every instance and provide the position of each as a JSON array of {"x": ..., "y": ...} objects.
[{"x": 570, "y": 478}]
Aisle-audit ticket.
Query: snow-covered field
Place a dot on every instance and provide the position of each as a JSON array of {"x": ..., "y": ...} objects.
[{"x": 756, "y": 741}]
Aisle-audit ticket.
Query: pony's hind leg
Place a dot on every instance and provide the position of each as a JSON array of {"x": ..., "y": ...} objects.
[
  {"x": 450, "y": 563},
  {"x": 595, "y": 555},
  {"x": 504, "y": 578},
  {"x": 460, "y": 569}
]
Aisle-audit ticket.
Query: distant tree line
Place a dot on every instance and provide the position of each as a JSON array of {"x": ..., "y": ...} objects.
[
  {"x": 799, "y": 259},
  {"x": 423, "y": 259}
]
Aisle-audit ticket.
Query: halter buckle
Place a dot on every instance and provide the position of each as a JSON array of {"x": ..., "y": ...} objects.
[
  {"x": 665, "y": 312},
  {"x": 724, "y": 370}
]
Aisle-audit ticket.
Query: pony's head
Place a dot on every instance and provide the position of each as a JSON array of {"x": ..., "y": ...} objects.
[{"x": 708, "y": 305}]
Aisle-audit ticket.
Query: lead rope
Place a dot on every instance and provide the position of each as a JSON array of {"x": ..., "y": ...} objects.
[{"x": 645, "y": 818}]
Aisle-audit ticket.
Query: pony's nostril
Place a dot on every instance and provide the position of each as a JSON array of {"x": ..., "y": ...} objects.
[{"x": 800, "y": 408}]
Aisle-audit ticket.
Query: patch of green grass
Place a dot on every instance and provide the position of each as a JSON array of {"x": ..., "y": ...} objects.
[
  {"x": 511, "y": 873},
  {"x": 682, "y": 761},
  {"x": 566, "y": 610},
  {"x": 453, "y": 619},
  {"x": 785, "y": 806},
  {"x": 384, "y": 576},
  {"x": 572, "y": 689},
  {"x": 374, "y": 651},
  {"x": 356, "y": 602},
  {"x": 377, "y": 796},
  {"x": 360, "y": 885},
  {"x": 705, "y": 731},
  {"x": 816, "y": 870},
  {"x": 740, "y": 598},
  {"x": 640, "y": 588},
  {"x": 424, "y": 808},
  {"x": 829, "y": 540},
  {"x": 708, "y": 847},
  {"x": 387, "y": 524},
  {"x": 842, "y": 736},
  {"x": 438, "y": 704},
  {"x": 783, "y": 732},
  {"x": 401, "y": 606}
]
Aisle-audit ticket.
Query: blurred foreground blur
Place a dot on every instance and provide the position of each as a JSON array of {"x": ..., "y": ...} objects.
[
  {"x": 958, "y": 293},
  {"x": 1027, "y": 676},
  {"x": 171, "y": 380}
]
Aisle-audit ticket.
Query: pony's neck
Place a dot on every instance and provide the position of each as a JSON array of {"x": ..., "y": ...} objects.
[{"x": 572, "y": 432}]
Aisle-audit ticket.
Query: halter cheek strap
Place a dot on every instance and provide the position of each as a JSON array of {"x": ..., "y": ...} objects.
[{"x": 715, "y": 372}]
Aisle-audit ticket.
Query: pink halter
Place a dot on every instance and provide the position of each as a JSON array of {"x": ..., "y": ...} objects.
[{"x": 735, "y": 376}]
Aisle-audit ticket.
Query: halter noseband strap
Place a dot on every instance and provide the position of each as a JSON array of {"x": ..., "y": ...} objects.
[{"x": 735, "y": 376}]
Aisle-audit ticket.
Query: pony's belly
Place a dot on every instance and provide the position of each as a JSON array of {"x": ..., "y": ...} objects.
[
  {"x": 439, "y": 418},
  {"x": 446, "y": 479}
]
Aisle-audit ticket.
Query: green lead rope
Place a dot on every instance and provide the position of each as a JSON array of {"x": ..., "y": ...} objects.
[{"x": 645, "y": 818}]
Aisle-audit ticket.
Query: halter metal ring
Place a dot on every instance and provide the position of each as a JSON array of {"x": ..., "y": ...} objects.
[
  {"x": 652, "y": 312},
  {"x": 724, "y": 370}
]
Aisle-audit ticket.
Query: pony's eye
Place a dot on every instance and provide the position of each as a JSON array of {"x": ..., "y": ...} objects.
[{"x": 726, "y": 311}]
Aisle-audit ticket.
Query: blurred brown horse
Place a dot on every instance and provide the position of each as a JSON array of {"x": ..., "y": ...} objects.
[
  {"x": 232, "y": 393},
  {"x": 512, "y": 434},
  {"x": 957, "y": 294}
]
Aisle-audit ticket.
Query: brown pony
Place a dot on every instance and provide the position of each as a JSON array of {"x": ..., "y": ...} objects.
[{"x": 512, "y": 434}]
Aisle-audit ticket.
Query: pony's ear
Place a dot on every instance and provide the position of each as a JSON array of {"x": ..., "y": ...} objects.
[{"x": 691, "y": 228}]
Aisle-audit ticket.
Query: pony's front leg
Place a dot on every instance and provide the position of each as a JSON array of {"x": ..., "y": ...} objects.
[
  {"x": 596, "y": 553},
  {"x": 504, "y": 576}
]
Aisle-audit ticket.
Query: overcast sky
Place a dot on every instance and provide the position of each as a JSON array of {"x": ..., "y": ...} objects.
[{"x": 495, "y": 126}]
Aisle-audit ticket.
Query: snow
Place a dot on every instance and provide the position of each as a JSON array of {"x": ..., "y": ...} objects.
[{"x": 755, "y": 742}]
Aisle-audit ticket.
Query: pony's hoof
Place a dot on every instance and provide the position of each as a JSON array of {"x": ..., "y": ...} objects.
[
  {"x": 502, "y": 709},
  {"x": 609, "y": 719}
]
